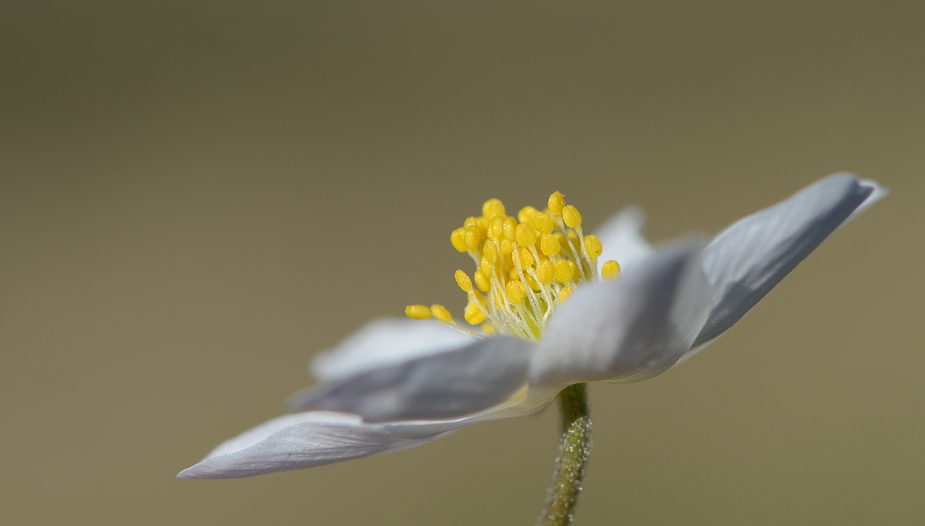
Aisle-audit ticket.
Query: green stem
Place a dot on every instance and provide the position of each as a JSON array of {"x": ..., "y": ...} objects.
[{"x": 574, "y": 450}]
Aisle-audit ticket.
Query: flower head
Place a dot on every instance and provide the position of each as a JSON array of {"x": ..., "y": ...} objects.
[{"x": 548, "y": 307}]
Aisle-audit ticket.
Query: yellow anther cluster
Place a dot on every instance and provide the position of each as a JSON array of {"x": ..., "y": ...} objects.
[{"x": 525, "y": 266}]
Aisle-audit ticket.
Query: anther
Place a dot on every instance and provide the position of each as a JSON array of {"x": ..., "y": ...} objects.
[
  {"x": 526, "y": 235},
  {"x": 545, "y": 271},
  {"x": 485, "y": 269},
  {"x": 490, "y": 251},
  {"x": 509, "y": 226},
  {"x": 593, "y": 246},
  {"x": 473, "y": 236},
  {"x": 515, "y": 292},
  {"x": 458, "y": 239},
  {"x": 418, "y": 312},
  {"x": 549, "y": 244},
  {"x": 493, "y": 208},
  {"x": 610, "y": 270},
  {"x": 441, "y": 313},
  {"x": 564, "y": 271},
  {"x": 565, "y": 293},
  {"x": 496, "y": 228},
  {"x": 556, "y": 202},
  {"x": 526, "y": 214},
  {"x": 543, "y": 223},
  {"x": 571, "y": 216},
  {"x": 473, "y": 314},
  {"x": 482, "y": 281},
  {"x": 526, "y": 257},
  {"x": 462, "y": 279}
]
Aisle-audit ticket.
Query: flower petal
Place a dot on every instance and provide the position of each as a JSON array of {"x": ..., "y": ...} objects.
[
  {"x": 441, "y": 386},
  {"x": 622, "y": 238},
  {"x": 628, "y": 329},
  {"x": 304, "y": 440},
  {"x": 383, "y": 342},
  {"x": 745, "y": 261},
  {"x": 877, "y": 193}
]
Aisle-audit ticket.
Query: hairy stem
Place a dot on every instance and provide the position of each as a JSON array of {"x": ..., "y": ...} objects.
[{"x": 574, "y": 450}]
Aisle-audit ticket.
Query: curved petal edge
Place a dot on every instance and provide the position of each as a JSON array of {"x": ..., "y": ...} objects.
[
  {"x": 746, "y": 260},
  {"x": 310, "y": 439}
]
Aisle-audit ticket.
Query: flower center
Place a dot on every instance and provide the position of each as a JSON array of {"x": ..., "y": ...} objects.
[{"x": 525, "y": 267}]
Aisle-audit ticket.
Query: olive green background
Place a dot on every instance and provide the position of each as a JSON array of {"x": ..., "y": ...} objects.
[{"x": 197, "y": 196}]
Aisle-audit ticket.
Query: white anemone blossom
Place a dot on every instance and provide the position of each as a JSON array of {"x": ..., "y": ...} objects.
[{"x": 399, "y": 383}]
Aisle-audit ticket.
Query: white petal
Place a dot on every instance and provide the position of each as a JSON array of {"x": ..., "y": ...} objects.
[
  {"x": 383, "y": 342},
  {"x": 878, "y": 192},
  {"x": 440, "y": 386},
  {"x": 622, "y": 238},
  {"x": 628, "y": 329},
  {"x": 315, "y": 438},
  {"x": 745, "y": 261}
]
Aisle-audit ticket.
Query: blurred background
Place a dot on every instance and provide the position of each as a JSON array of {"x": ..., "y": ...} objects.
[{"x": 195, "y": 197}]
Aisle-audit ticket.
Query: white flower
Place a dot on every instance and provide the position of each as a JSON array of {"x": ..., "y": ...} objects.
[{"x": 396, "y": 384}]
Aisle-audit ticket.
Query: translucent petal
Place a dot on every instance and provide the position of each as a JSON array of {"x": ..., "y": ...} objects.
[
  {"x": 628, "y": 329},
  {"x": 877, "y": 193},
  {"x": 745, "y": 261},
  {"x": 384, "y": 342},
  {"x": 437, "y": 386},
  {"x": 622, "y": 238},
  {"x": 315, "y": 438}
]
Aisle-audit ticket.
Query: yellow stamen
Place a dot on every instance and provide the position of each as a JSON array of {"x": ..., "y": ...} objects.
[
  {"x": 496, "y": 229},
  {"x": 458, "y": 239},
  {"x": 418, "y": 312},
  {"x": 565, "y": 293},
  {"x": 525, "y": 267},
  {"x": 462, "y": 279},
  {"x": 545, "y": 271},
  {"x": 564, "y": 271},
  {"x": 571, "y": 216},
  {"x": 593, "y": 246},
  {"x": 482, "y": 281},
  {"x": 473, "y": 314},
  {"x": 542, "y": 223},
  {"x": 492, "y": 208},
  {"x": 526, "y": 214},
  {"x": 526, "y": 257},
  {"x": 549, "y": 244},
  {"x": 473, "y": 236},
  {"x": 509, "y": 227},
  {"x": 526, "y": 235},
  {"x": 490, "y": 251},
  {"x": 441, "y": 313},
  {"x": 556, "y": 202},
  {"x": 610, "y": 270},
  {"x": 515, "y": 292}
]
